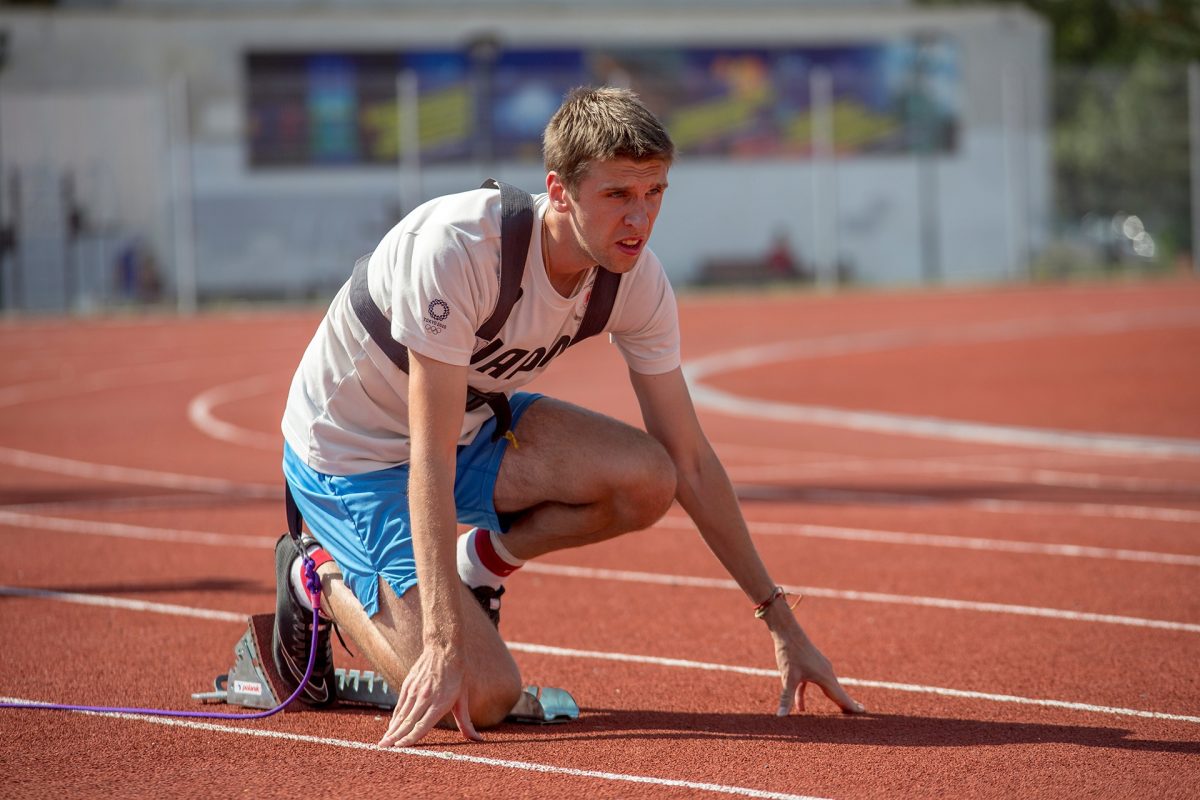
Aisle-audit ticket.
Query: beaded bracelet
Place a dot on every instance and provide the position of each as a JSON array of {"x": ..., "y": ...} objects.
[{"x": 760, "y": 610}]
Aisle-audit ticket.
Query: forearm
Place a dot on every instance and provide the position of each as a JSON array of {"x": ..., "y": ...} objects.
[
  {"x": 432, "y": 514},
  {"x": 435, "y": 417},
  {"x": 705, "y": 492}
]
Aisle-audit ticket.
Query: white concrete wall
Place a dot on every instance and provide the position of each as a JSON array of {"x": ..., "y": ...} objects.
[{"x": 301, "y": 229}]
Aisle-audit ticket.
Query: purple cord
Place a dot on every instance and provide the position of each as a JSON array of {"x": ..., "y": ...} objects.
[{"x": 313, "y": 583}]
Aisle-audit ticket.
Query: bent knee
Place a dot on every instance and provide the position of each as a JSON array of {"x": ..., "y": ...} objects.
[
  {"x": 496, "y": 704},
  {"x": 648, "y": 490}
]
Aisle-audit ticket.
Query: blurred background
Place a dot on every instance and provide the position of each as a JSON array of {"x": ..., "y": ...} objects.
[{"x": 189, "y": 153}]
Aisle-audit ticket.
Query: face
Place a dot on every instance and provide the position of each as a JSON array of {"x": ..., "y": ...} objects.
[{"x": 613, "y": 209}]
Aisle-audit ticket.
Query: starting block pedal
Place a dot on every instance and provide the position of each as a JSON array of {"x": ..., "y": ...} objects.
[{"x": 253, "y": 682}]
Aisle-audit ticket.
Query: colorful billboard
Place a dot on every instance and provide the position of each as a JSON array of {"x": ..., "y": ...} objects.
[{"x": 314, "y": 109}]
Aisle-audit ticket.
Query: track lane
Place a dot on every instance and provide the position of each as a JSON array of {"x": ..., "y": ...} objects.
[{"x": 928, "y": 746}]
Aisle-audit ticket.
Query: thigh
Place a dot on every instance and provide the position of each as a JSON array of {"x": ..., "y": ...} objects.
[{"x": 572, "y": 455}]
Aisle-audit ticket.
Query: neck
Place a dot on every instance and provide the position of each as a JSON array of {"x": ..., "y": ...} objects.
[{"x": 565, "y": 279}]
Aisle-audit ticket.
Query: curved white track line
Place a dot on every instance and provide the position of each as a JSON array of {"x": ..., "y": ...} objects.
[
  {"x": 200, "y": 413},
  {"x": 541, "y": 649},
  {"x": 932, "y": 427}
]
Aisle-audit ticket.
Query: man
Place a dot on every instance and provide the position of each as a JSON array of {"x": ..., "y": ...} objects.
[{"x": 383, "y": 462}]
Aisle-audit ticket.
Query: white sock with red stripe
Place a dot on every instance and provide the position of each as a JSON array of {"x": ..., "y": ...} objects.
[
  {"x": 299, "y": 585},
  {"x": 483, "y": 560}
]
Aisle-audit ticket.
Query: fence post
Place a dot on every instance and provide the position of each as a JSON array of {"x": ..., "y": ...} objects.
[
  {"x": 824, "y": 193},
  {"x": 179, "y": 147},
  {"x": 408, "y": 139},
  {"x": 1194, "y": 147}
]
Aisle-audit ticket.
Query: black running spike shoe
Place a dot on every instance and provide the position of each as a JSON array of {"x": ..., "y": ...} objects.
[
  {"x": 489, "y": 600},
  {"x": 292, "y": 634}
]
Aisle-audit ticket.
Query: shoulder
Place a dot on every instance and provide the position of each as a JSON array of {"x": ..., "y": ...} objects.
[
  {"x": 472, "y": 215},
  {"x": 648, "y": 272}
]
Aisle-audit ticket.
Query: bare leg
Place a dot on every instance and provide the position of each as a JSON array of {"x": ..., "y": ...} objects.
[
  {"x": 579, "y": 477},
  {"x": 391, "y": 640}
]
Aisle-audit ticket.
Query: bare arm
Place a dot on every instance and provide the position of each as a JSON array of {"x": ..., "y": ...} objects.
[
  {"x": 706, "y": 494},
  {"x": 436, "y": 685}
]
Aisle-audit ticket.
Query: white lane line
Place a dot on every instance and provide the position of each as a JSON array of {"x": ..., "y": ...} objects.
[
  {"x": 660, "y": 579},
  {"x": 199, "y": 483},
  {"x": 875, "y": 536},
  {"x": 112, "y": 378},
  {"x": 567, "y": 652},
  {"x": 200, "y": 412},
  {"x": 234, "y": 540},
  {"x": 932, "y": 427},
  {"x": 141, "y": 477},
  {"x": 992, "y": 505},
  {"x": 1038, "y": 476},
  {"x": 121, "y": 530},
  {"x": 1027, "y": 458},
  {"x": 120, "y": 602},
  {"x": 940, "y": 428},
  {"x": 462, "y": 758},
  {"x": 551, "y": 650},
  {"x": 172, "y": 502}
]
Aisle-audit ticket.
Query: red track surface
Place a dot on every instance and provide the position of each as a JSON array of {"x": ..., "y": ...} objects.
[{"x": 931, "y": 564}]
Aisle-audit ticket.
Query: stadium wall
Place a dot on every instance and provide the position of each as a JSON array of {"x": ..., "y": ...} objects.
[{"x": 146, "y": 112}]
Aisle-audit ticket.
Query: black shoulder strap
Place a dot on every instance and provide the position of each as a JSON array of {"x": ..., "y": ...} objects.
[
  {"x": 372, "y": 318},
  {"x": 516, "y": 228},
  {"x": 600, "y": 304}
]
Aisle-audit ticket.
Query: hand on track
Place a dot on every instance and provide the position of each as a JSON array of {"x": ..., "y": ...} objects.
[
  {"x": 434, "y": 687},
  {"x": 801, "y": 663}
]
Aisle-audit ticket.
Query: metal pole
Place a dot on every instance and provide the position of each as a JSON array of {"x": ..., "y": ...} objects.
[
  {"x": 408, "y": 139},
  {"x": 824, "y": 198},
  {"x": 1013, "y": 168},
  {"x": 483, "y": 52},
  {"x": 179, "y": 137},
  {"x": 923, "y": 122},
  {"x": 7, "y": 234},
  {"x": 1194, "y": 145}
]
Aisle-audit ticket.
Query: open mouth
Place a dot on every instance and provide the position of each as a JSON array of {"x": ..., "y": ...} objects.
[{"x": 630, "y": 247}]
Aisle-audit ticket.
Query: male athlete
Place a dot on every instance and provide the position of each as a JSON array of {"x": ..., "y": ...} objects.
[{"x": 383, "y": 462}]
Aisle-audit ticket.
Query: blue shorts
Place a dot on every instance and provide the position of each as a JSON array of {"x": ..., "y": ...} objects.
[{"x": 362, "y": 520}]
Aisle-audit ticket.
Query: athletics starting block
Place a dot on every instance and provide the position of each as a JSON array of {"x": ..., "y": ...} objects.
[{"x": 253, "y": 682}]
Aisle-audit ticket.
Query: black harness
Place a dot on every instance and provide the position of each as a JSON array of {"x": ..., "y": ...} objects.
[{"x": 516, "y": 228}]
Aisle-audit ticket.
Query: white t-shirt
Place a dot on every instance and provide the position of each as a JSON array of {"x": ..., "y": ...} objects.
[{"x": 436, "y": 276}]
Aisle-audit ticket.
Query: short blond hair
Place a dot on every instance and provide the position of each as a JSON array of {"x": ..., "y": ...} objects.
[{"x": 598, "y": 124}]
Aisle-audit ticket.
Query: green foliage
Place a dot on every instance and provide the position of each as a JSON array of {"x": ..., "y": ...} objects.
[
  {"x": 1120, "y": 133},
  {"x": 1092, "y": 32},
  {"x": 1121, "y": 144}
]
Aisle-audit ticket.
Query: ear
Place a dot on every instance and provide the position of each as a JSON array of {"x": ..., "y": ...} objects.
[{"x": 557, "y": 193}]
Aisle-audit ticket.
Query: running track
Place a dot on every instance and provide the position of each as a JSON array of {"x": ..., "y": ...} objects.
[{"x": 991, "y": 500}]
